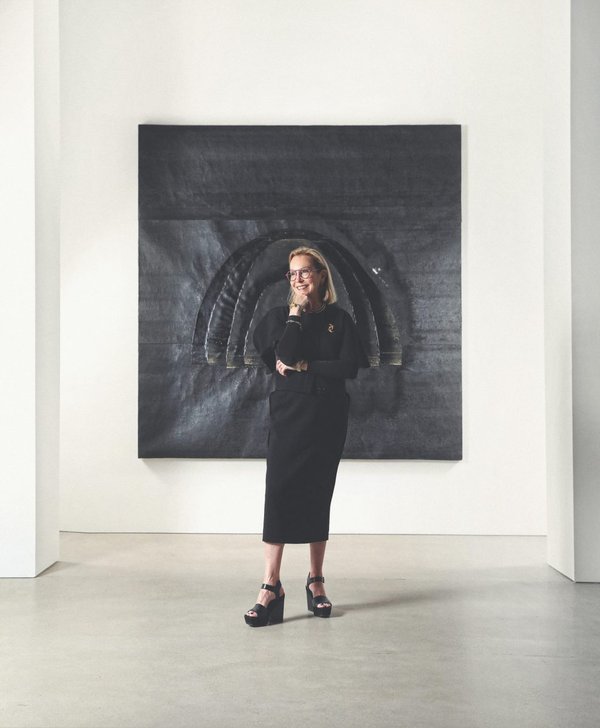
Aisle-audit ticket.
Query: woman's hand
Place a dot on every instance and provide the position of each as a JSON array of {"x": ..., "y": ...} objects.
[
  {"x": 300, "y": 366},
  {"x": 302, "y": 301}
]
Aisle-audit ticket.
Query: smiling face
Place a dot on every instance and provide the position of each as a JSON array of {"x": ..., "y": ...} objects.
[{"x": 307, "y": 286}]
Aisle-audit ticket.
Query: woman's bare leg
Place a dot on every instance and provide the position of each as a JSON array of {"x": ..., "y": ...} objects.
[
  {"x": 273, "y": 556},
  {"x": 317, "y": 556}
]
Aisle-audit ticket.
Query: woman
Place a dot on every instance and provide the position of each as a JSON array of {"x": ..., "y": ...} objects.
[{"x": 312, "y": 346}]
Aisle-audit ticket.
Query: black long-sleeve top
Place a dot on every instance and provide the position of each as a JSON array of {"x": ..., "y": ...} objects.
[{"x": 328, "y": 341}]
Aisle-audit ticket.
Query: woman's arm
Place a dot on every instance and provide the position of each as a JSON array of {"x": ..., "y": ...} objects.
[
  {"x": 289, "y": 346},
  {"x": 335, "y": 368},
  {"x": 351, "y": 356}
]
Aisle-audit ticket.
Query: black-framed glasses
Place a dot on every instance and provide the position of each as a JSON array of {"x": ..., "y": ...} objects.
[{"x": 304, "y": 273}]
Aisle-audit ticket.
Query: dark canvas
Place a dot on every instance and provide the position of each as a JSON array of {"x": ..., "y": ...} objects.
[{"x": 220, "y": 207}]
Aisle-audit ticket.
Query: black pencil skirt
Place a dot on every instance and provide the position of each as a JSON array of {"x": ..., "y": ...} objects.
[{"x": 306, "y": 439}]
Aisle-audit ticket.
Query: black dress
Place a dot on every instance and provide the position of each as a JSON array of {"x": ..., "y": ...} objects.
[{"x": 308, "y": 417}]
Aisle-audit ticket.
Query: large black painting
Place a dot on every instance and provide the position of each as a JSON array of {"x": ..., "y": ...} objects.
[{"x": 220, "y": 207}]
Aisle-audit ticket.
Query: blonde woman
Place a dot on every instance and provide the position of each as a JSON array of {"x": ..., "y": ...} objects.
[{"x": 312, "y": 346}]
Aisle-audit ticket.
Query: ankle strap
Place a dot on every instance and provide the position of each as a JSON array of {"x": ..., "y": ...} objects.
[
  {"x": 312, "y": 579},
  {"x": 274, "y": 589}
]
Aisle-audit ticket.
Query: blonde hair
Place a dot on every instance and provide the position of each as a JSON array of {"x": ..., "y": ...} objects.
[{"x": 327, "y": 289}]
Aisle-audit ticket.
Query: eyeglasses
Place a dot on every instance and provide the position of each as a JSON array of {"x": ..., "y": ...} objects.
[{"x": 291, "y": 275}]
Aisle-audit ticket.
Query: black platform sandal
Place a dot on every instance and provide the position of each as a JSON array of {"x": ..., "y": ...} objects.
[
  {"x": 272, "y": 613},
  {"x": 312, "y": 602}
]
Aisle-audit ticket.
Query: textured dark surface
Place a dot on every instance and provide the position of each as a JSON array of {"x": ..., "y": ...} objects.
[{"x": 384, "y": 199}]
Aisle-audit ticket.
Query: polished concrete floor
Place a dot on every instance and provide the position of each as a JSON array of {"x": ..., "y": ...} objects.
[{"x": 427, "y": 631}]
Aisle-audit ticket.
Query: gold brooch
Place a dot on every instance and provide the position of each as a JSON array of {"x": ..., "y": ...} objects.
[{"x": 330, "y": 328}]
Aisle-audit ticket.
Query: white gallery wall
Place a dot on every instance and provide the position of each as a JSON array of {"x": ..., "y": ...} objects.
[
  {"x": 476, "y": 63},
  {"x": 585, "y": 229},
  {"x": 29, "y": 286},
  {"x": 558, "y": 290}
]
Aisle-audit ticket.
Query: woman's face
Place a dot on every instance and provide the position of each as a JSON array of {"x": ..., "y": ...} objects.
[{"x": 310, "y": 285}]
